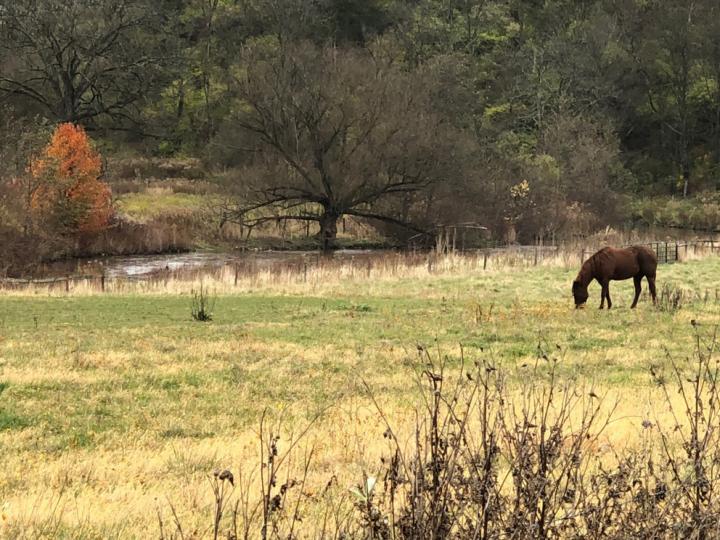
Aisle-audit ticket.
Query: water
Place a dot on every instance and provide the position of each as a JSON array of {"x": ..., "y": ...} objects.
[{"x": 139, "y": 266}]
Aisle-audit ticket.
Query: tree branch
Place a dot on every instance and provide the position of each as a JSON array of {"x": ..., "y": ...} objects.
[{"x": 386, "y": 219}]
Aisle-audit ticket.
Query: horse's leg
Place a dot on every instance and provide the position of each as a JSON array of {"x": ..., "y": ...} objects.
[
  {"x": 638, "y": 287},
  {"x": 651, "y": 283},
  {"x": 604, "y": 294}
]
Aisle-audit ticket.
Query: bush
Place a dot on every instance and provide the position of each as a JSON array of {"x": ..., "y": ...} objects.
[
  {"x": 492, "y": 460},
  {"x": 700, "y": 213},
  {"x": 69, "y": 196}
]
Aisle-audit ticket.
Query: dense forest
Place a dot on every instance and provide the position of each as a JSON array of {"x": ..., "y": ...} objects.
[{"x": 530, "y": 118}]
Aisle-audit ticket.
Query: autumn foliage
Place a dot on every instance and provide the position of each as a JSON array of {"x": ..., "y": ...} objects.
[{"x": 68, "y": 190}]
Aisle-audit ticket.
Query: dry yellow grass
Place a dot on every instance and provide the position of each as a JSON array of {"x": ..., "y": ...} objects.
[{"x": 117, "y": 405}]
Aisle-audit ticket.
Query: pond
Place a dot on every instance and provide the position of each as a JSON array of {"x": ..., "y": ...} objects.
[{"x": 138, "y": 266}]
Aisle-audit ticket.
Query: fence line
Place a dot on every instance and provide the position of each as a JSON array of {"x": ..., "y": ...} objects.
[
  {"x": 316, "y": 267},
  {"x": 668, "y": 252}
]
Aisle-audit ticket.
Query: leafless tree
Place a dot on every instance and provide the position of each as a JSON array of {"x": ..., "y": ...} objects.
[
  {"x": 325, "y": 133},
  {"x": 20, "y": 139},
  {"x": 77, "y": 60}
]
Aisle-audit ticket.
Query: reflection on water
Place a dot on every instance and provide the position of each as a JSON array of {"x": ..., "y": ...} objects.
[{"x": 146, "y": 265}]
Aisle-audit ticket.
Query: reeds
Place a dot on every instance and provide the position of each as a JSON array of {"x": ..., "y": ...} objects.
[{"x": 311, "y": 273}]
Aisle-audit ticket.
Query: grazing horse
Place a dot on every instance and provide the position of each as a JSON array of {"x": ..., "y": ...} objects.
[{"x": 611, "y": 263}]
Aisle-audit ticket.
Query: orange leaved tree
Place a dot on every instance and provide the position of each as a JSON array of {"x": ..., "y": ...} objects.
[{"x": 69, "y": 194}]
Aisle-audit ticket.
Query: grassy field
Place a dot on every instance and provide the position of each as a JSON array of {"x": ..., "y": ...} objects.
[
  {"x": 161, "y": 202},
  {"x": 114, "y": 406}
]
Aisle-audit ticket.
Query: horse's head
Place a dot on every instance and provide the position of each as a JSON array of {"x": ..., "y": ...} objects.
[{"x": 580, "y": 294}]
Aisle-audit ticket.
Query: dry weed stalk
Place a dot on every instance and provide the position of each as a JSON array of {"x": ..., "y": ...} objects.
[{"x": 498, "y": 455}]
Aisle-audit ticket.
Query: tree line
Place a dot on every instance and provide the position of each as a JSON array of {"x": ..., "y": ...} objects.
[{"x": 533, "y": 118}]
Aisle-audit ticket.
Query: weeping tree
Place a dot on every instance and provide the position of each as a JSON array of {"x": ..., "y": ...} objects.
[{"x": 322, "y": 133}]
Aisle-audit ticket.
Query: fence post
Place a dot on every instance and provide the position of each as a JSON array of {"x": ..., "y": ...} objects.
[
  {"x": 67, "y": 284},
  {"x": 102, "y": 283},
  {"x": 536, "y": 255},
  {"x": 236, "y": 274},
  {"x": 304, "y": 271},
  {"x": 485, "y": 258}
]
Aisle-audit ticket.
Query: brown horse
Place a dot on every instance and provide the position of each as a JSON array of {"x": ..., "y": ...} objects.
[{"x": 615, "y": 264}]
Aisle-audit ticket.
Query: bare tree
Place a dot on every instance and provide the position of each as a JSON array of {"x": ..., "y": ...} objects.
[
  {"x": 329, "y": 132},
  {"x": 76, "y": 59},
  {"x": 20, "y": 139}
]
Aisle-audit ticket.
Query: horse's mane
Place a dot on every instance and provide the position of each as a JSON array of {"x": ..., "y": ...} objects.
[{"x": 587, "y": 270}]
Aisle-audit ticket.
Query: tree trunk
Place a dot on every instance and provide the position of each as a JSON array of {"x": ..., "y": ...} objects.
[
  {"x": 328, "y": 230},
  {"x": 685, "y": 160}
]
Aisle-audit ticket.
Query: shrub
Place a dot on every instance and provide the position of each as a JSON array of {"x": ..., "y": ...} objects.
[{"x": 70, "y": 195}]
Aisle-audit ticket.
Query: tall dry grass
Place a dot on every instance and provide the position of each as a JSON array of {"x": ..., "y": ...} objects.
[{"x": 315, "y": 273}]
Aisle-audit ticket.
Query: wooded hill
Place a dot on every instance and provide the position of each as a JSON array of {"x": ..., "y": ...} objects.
[{"x": 533, "y": 118}]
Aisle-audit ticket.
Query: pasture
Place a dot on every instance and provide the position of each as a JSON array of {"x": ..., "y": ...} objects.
[{"x": 116, "y": 407}]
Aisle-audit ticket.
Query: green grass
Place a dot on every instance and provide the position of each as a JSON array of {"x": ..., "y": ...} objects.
[
  {"x": 148, "y": 205},
  {"x": 84, "y": 376},
  {"x": 307, "y": 343}
]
